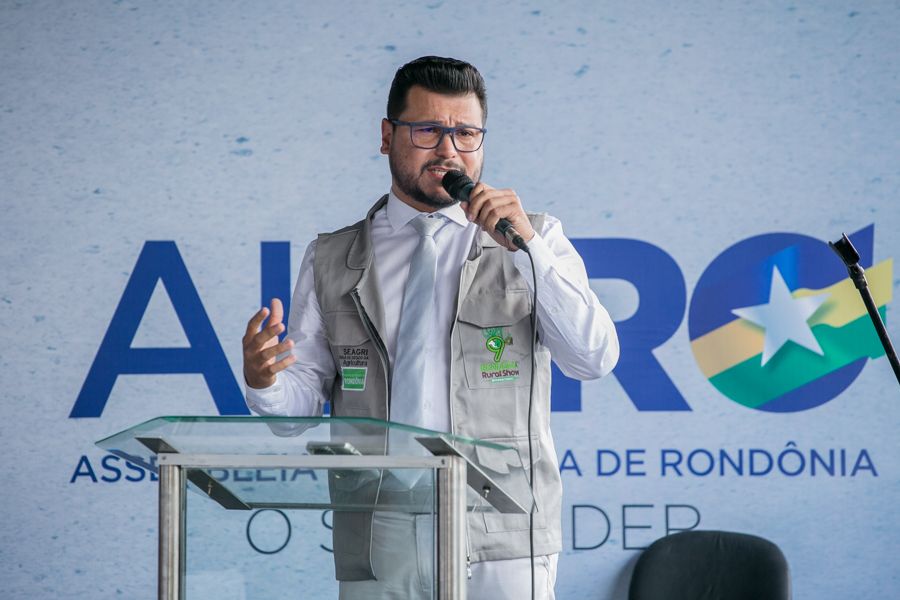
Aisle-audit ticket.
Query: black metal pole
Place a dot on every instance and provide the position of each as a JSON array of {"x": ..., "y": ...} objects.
[{"x": 844, "y": 248}]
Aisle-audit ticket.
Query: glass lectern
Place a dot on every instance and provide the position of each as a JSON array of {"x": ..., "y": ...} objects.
[{"x": 294, "y": 473}]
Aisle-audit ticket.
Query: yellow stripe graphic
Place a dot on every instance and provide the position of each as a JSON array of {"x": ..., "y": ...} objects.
[
  {"x": 739, "y": 340},
  {"x": 844, "y": 304}
]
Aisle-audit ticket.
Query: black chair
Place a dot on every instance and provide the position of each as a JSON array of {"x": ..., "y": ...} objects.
[{"x": 711, "y": 565}]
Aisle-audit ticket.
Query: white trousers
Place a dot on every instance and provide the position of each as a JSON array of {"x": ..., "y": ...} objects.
[{"x": 403, "y": 560}]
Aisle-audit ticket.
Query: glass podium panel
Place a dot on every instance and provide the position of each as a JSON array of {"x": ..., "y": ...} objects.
[
  {"x": 288, "y": 553},
  {"x": 281, "y": 505},
  {"x": 496, "y": 472},
  {"x": 267, "y": 554}
]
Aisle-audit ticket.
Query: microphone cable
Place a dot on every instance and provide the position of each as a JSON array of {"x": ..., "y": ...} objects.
[{"x": 530, "y": 405}]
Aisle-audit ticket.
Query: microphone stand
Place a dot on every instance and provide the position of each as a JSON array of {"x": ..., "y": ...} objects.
[{"x": 844, "y": 249}]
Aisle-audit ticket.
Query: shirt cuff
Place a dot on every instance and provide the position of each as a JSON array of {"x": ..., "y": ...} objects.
[
  {"x": 265, "y": 399},
  {"x": 541, "y": 254}
]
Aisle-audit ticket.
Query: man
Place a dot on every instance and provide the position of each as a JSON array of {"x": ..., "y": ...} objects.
[{"x": 353, "y": 292}]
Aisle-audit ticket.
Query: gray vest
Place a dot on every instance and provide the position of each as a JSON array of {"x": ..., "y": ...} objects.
[{"x": 488, "y": 400}]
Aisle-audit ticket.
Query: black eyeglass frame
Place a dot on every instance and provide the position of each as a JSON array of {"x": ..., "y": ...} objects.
[{"x": 444, "y": 131}]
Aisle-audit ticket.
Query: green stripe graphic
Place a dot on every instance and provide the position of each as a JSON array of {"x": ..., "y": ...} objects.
[{"x": 792, "y": 366}]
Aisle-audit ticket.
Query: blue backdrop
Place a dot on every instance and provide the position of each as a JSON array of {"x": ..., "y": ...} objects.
[{"x": 166, "y": 164}]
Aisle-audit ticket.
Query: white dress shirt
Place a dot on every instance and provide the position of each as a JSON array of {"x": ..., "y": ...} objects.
[{"x": 571, "y": 321}]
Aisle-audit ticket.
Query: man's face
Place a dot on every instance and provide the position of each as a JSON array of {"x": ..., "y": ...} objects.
[{"x": 417, "y": 173}]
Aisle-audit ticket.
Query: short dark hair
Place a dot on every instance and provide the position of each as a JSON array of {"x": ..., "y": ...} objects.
[{"x": 437, "y": 74}]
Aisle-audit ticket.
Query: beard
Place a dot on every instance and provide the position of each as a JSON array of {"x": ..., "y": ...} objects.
[{"x": 408, "y": 181}]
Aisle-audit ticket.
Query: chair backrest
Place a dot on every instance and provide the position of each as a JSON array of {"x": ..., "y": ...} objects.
[{"x": 711, "y": 565}]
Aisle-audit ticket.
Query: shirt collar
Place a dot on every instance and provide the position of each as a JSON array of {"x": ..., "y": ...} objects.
[{"x": 399, "y": 213}]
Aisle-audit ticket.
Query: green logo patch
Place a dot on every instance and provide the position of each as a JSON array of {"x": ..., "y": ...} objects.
[
  {"x": 353, "y": 378},
  {"x": 496, "y": 344},
  {"x": 495, "y": 341},
  {"x": 507, "y": 370},
  {"x": 497, "y": 371}
]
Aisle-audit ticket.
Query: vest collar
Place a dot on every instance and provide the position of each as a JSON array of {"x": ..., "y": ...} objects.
[
  {"x": 360, "y": 255},
  {"x": 481, "y": 241}
]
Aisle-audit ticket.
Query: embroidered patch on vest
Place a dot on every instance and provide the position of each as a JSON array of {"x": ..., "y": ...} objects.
[
  {"x": 353, "y": 378},
  {"x": 498, "y": 370}
]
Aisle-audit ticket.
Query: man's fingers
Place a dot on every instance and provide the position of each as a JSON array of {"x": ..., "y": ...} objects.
[
  {"x": 503, "y": 207},
  {"x": 255, "y": 321},
  {"x": 277, "y": 311},
  {"x": 495, "y": 209},
  {"x": 488, "y": 205},
  {"x": 485, "y": 199},
  {"x": 261, "y": 365},
  {"x": 479, "y": 195},
  {"x": 265, "y": 338},
  {"x": 285, "y": 346},
  {"x": 281, "y": 365}
]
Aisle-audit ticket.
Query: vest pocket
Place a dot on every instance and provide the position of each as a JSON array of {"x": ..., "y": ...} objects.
[
  {"x": 495, "y": 336},
  {"x": 344, "y": 328},
  {"x": 356, "y": 363},
  {"x": 513, "y": 478}
]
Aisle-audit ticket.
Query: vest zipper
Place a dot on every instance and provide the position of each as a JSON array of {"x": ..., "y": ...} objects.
[
  {"x": 385, "y": 363},
  {"x": 379, "y": 345},
  {"x": 452, "y": 419}
]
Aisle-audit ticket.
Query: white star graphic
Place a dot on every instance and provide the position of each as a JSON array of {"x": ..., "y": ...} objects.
[{"x": 784, "y": 318}]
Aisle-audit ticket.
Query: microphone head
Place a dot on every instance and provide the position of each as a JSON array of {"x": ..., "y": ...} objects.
[{"x": 458, "y": 185}]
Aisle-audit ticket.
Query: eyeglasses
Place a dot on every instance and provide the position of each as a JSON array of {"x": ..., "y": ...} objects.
[{"x": 430, "y": 135}]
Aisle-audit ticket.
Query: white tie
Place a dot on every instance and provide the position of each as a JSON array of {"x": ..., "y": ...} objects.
[{"x": 416, "y": 315}]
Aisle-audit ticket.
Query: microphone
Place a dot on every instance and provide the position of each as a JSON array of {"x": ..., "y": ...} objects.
[{"x": 459, "y": 186}]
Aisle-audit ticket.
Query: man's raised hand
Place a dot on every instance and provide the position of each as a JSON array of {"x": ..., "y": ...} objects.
[{"x": 261, "y": 347}]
